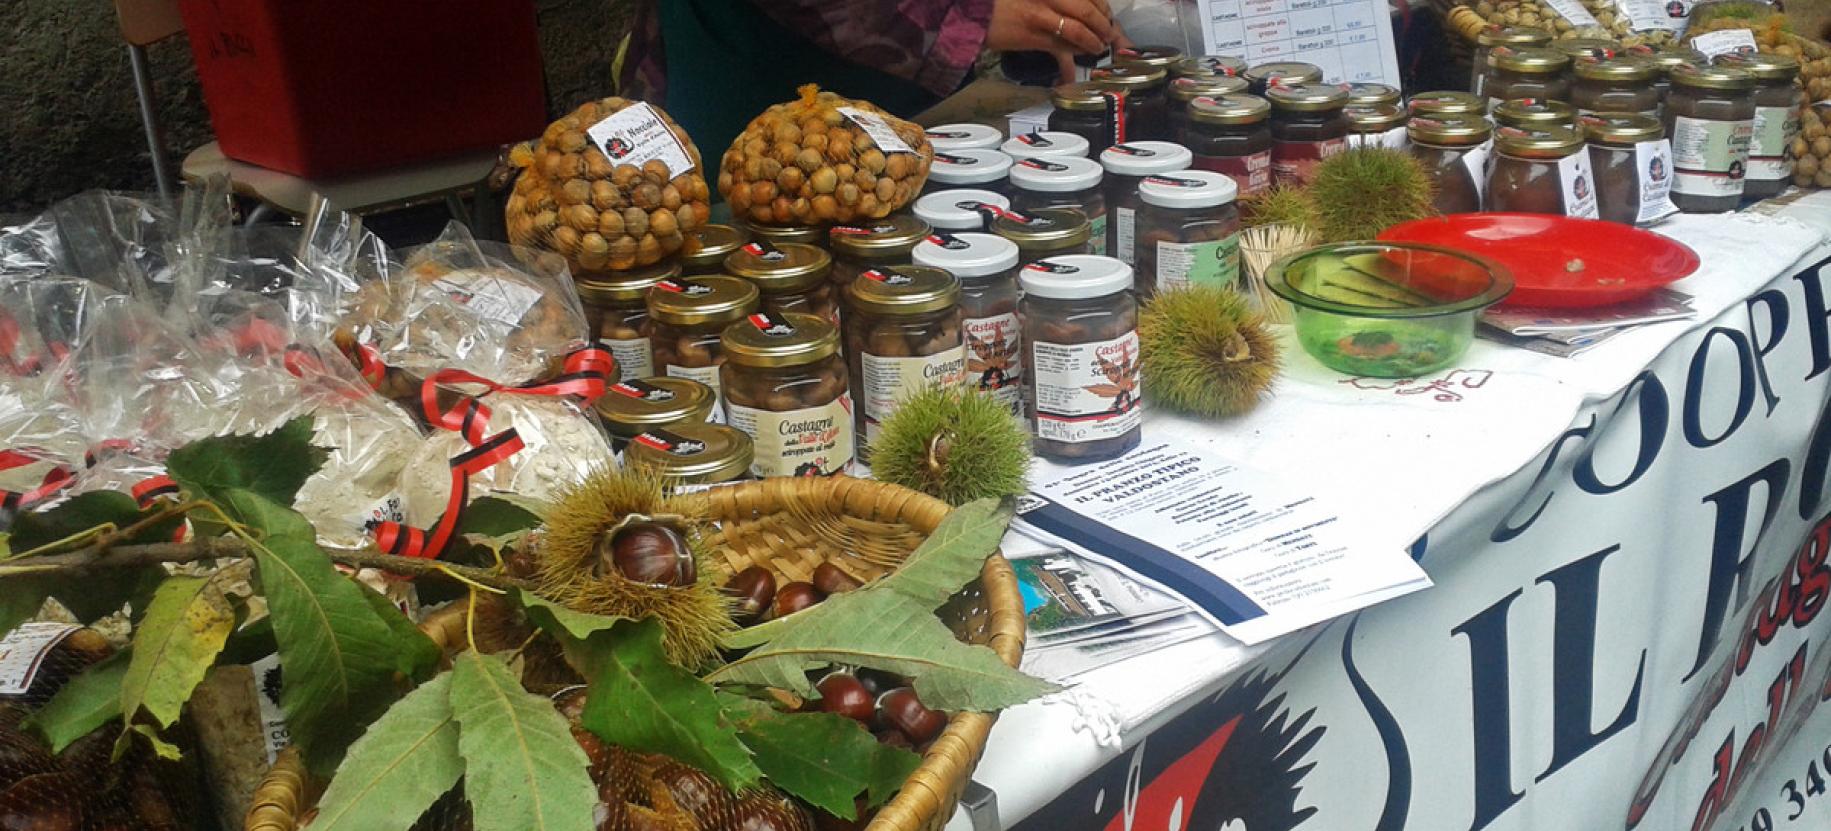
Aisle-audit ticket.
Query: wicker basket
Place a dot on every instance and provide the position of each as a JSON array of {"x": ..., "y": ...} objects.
[{"x": 791, "y": 525}]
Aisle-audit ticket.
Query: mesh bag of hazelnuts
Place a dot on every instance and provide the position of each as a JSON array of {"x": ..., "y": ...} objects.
[
  {"x": 614, "y": 185},
  {"x": 823, "y": 159}
]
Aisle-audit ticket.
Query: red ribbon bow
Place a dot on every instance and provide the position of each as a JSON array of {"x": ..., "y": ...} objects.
[
  {"x": 587, "y": 374},
  {"x": 407, "y": 541}
]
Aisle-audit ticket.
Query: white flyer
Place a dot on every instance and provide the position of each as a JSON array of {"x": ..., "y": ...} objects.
[
  {"x": 1350, "y": 39},
  {"x": 1253, "y": 554},
  {"x": 1574, "y": 12},
  {"x": 23, "y": 650},
  {"x": 636, "y": 134},
  {"x": 1655, "y": 15},
  {"x": 1725, "y": 42},
  {"x": 878, "y": 129}
]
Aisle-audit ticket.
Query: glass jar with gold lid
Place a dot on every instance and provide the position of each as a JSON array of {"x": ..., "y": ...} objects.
[
  {"x": 1307, "y": 126},
  {"x": 1264, "y": 75},
  {"x": 1664, "y": 60},
  {"x": 633, "y": 405},
  {"x": 786, "y": 387},
  {"x": 686, "y": 317},
  {"x": 616, "y": 309},
  {"x": 1085, "y": 109},
  {"x": 1512, "y": 37},
  {"x": 1710, "y": 118},
  {"x": 1046, "y": 233},
  {"x": 1527, "y": 73},
  {"x": 1208, "y": 65},
  {"x": 1372, "y": 95},
  {"x": 1621, "y": 84},
  {"x": 1770, "y": 165},
  {"x": 1453, "y": 151},
  {"x": 878, "y": 242},
  {"x": 1147, "y": 113},
  {"x": 1377, "y": 125},
  {"x": 1529, "y": 174},
  {"x": 903, "y": 335},
  {"x": 1534, "y": 112},
  {"x": 692, "y": 454},
  {"x": 1160, "y": 57},
  {"x": 715, "y": 243},
  {"x": 1632, "y": 164},
  {"x": 1183, "y": 91},
  {"x": 1587, "y": 47},
  {"x": 1231, "y": 134},
  {"x": 814, "y": 235},
  {"x": 1446, "y": 102},
  {"x": 792, "y": 277}
]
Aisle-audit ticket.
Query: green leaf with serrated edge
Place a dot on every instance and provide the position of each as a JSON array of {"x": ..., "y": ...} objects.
[
  {"x": 640, "y": 701},
  {"x": 559, "y": 621},
  {"x": 273, "y": 465},
  {"x": 888, "y": 631},
  {"x": 826, "y": 760},
  {"x": 86, "y": 702},
  {"x": 523, "y": 771},
  {"x": 417, "y": 655},
  {"x": 890, "y": 768},
  {"x": 494, "y": 516},
  {"x": 85, "y": 511},
  {"x": 186, "y": 625},
  {"x": 405, "y": 761},
  {"x": 953, "y": 555}
]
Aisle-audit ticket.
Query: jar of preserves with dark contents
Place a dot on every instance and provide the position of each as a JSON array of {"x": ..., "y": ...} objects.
[
  {"x": 1541, "y": 171},
  {"x": 792, "y": 277},
  {"x": 1710, "y": 119},
  {"x": 1046, "y": 233},
  {"x": 786, "y": 388},
  {"x": 685, "y": 319},
  {"x": 1037, "y": 184},
  {"x": 1632, "y": 161},
  {"x": 1196, "y": 66},
  {"x": 902, "y": 336},
  {"x": 961, "y": 210},
  {"x": 1086, "y": 110},
  {"x": 1081, "y": 358},
  {"x": 1587, "y": 47},
  {"x": 1044, "y": 144},
  {"x": 814, "y": 235},
  {"x": 1512, "y": 37},
  {"x": 1526, "y": 113},
  {"x": 715, "y": 243},
  {"x": 1439, "y": 103},
  {"x": 1307, "y": 126},
  {"x": 1261, "y": 77},
  {"x": 616, "y": 308},
  {"x": 1622, "y": 84},
  {"x": 976, "y": 169},
  {"x": 986, "y": 267},
  {"x": 1184, "y": 91},
  {"x": 1377, "y": 125},
  {"x": 633, "y": 405},
  {"x": 1664, "y": 60},
  {"x": 1232, "y": 135},
  {"x": 1372, "y": 95},
  {"x": 1159, "y": 57},
  {"x": 1188, "y": 232},
  {"x": 964, "y": 136},
  {"x": 1145, "y": 109},
  {"x": 879, "y": 242},
  {"x": 1770, "y": 165},
  {"x": 693, "y": 454},
  {"x": 1454, "y": 152},
  {"x": 1527, "y": 73},
  {"x": 1126, "y": 165}
]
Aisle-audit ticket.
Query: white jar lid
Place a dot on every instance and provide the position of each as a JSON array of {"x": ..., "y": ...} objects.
[
  {"x": 968, "y": 167},
  {"x": 967, "y": 255},
  {"x": 1057, "y": 174},
  {"x": 1045, "y": 143},
  {"x": 1075, "y": 277},
  {"x": 958, "y": 209},
  {"x": 1143, "y": 158},
  {"x": 964, "y": 136},
  {"x": 1188, "y": 189}
]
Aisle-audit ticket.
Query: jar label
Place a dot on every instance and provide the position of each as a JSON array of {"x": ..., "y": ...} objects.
[
  {"x": 1725, "y": 42},
  {"x": 1251, "y": 172},
  {"x": 1656, "y": 15},
  {"x": 634, "y": 359},
  {"x": 1205, "y": 263},
  {"x": 811, "y": 441},
  {"x": 707, "y": 375},
  {"x": 1096, "y": 240},
  {"x": 1653, "y": 165},
  {"x": 994, "y": 358},
  {"x": 887, "y": 381},
  {"x": 1124, "y": 220},
  {"x": 1775, "y": 129},
  {"x": 1087, "y": 391},
  {"x": 1578, "y": 183},
  {"x": 1294, "y": 162},
  {"x": 23, "y": 651},
  {"x": 1393, "y": 139},
  {"x": 1709, "y": 157}
]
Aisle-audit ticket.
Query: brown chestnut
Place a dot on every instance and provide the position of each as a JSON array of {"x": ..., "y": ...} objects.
[
  {"x": 796, "y": 596},
  {"x": 842, "y": 694},
  {"x": 832, "y": 579},
  {"x": 754, "y": 589},
  {"x": 901, "y": 709},
  {"x": 767, "y": 812},
  {"x": 652, "y": 553},
  {"x": 893, "y": 737}
]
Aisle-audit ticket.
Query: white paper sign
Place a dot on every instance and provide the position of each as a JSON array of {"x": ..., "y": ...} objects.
[
  {"x": 636, "y": 135},
  {"x": 1573, "y": 11},
  {"x": 23, "y": 650},
  {"x": 878, "y": 129},
  {"x": 1579, "y": 185},
  {"x": 1351, "y": 40},
  {"x": 1656, "y": 15},
  {"x": 1653, "y": 163},
  {"x": 1725, "y": 42}
]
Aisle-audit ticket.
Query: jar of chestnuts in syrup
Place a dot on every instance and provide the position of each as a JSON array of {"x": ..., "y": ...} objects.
[
  {"x": 685, "y": 319},
  {"x": 792, "y": 277},
  {"x": 902, "y": 331},
  {"x": 693, "y": 454},
  {"x": 1062, "y": 183},
  {"x": 1081, "y": 358},
  {"x": 785, "y": 387},
  {"x": 631, "y": 406},
  {"x": 1126, "y": 165},
  {"x": 616, "y": 308},
  {"x": 716, "y": 242},
  {"x": 1046, "y": 233},
  {"x": 965, "y": 209},
  {"x": 986, "y": 267},
  {"x": 878, "y": 242}
]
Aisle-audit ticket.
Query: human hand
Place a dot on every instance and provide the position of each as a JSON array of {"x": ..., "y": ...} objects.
[{"x": 1063, "y": 27}]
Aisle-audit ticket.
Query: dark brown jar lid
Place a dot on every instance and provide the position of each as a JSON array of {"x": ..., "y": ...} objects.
[
  {"x": 692, "y": 454},
  {"x": 1283, "y": 72},
  {"x": 1528, "y": 61},
  {"x": 1765, "y": 66},
  {"x": 1128, "y": 78},
  {"x": 1200, "y": 65},
  {"x": 1595, "y": 47},
  {"x": 716, "y": 242},
  {"x": 1375, "y": 118},
  {"x": 1445, "y": 102},
  {"x": 1161, "y": 57},
  {"x": 904, "y": 290},
  {"x": 1081, "y": 96},
  {"x": 780, "y": 269},
  {"x": 1516, "y": 36},
  {"x": 893, "y": 235},
  {"x": 1368, "y": 94},
  {"x": 767, "y": 339},
  {"x": 700, "y": 300},
  {"x": 1453, "y": 130},
  {"x": 1550, "y": 142},
  {"x": 1307, "y": 97},
  {"x": 1229, "y": 109},
  {"x": 624, "y": 286},
  {"x": 1698, "y": 76},
  {"x": 1190, "y": 88},
  {"x": 780, "y": 234},
  {"x": 1534, "y": 112},
  {"x": 1618, "y": 68},
  {"x": 1621, "y": 128},
  {"x": 630, "y": 406}
]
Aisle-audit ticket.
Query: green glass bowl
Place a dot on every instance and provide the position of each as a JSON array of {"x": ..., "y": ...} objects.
[{"x": 1387, "y": 309}]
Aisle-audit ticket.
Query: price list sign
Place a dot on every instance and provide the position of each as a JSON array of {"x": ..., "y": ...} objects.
[{"x": 1350, "y": 39}]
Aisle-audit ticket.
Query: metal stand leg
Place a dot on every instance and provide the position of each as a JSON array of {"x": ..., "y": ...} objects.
[
  {"x": 149, "y": 118},
  {"x": 981, "y": 806}
]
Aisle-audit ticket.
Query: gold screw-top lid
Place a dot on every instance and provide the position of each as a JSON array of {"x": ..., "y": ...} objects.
[
  {"x": 1618, "y": 68},
  {"x": 1307, "y": 97},
  {"x": 1128, "y": 77},
  {"x": 1375, "y": 118},
  {"x": 1670, "y": 57},
  {"x": 1200, "y": 65},
  {"x": 780, "y": 234},
  {"x": 1239, "y": 108},
  {"x": 1549, "y": 142},
  {"x": 628, "y": 407},
  {"x": 893, "y": 235},
  {"x": 1765, "y": 66},
  {"x": 716, "y": 242},
  {"x": 1579, "y": 47},
  {"x": 1190, "y": 88},
  {"x": 1528, "y": 61},
  {"x": 1047, "y": 229},
  {"x": 1700, "y": 76},
  {"x": 1534, "y": 112},
  {"x": 780, "y": 268},
  {"x": 692, "y": 454},
  {"x": 905, "y": 289},
  {"x": 1161, "y": 57},
  {"x": 1621, "y": 128},
  {"x": 1515, "y": 36},
  {"x": 624, "y": 286},
  {"x": 1283, "y": 72},
  {"x": 1367, "y": 94},
  {"x": 1452, "y": 129},
  {"x": 1446, "y": 102},
  {"x": 1080, "y": 96},
  {"x": 699, "y": 300},
  {"x": 768, "y": 339}
]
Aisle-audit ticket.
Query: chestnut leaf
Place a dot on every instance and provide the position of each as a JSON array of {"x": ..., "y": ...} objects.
[
  {"x": 405, "y": 762},
  {"x": 83, "y": 512},
  {"x": 185, "y": 626},
  {"x": 523, "y": 771},
  {"x": 824, "y": 759},
  {"x": 273, "y": 465},
  {"x": 86, "y": 702}
]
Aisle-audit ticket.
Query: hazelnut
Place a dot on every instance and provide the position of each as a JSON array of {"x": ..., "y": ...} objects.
[
  {"x": 651, "y": 553},
  {"x": 754, "y": 589}
]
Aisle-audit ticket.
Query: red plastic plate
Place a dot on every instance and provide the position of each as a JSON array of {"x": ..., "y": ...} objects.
[{"x": 1559, "y": 261}]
